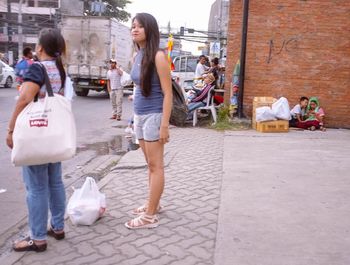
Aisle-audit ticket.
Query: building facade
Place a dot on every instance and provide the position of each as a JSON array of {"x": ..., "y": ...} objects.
[
  {"x": 36, "y": 14},
  {"x": 218, "y": 23},
  {"x": 294, "y": 49}
]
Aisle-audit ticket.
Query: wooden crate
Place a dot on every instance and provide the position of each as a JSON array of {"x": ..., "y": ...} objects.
[
  {"x": 272, "y": 126},
  {"x": 261, "y": 102}
]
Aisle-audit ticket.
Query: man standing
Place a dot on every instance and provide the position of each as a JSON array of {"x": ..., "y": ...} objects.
[
  {"x": 115, "y": 89},
  {"x": 23, "y": 65},
  {"x": 201, "y": 69}
]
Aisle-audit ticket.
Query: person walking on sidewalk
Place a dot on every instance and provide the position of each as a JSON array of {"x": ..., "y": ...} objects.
[
  {"x": 152, "y": 108},
  {"x": 23, "y": 65},
  {"x": 45, "y": 189},
  {"x": 115, "y": 89}
]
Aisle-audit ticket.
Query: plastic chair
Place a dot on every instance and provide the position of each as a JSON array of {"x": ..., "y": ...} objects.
[{"x": 209, "y": 106}]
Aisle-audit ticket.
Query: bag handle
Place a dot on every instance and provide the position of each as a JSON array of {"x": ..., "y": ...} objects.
[{"x": 47, "y": 81}]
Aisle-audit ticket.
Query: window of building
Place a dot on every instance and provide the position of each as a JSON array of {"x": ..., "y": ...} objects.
[
  {"x": 43, "y": 3},
  {"x": 31, "y": 3}
]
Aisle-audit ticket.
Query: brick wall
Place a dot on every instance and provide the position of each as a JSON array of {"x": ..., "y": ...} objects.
[{"x": 295, "y": 48}]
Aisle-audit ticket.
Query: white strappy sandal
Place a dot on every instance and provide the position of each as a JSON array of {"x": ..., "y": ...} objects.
[
  {"x": 143, "y": 221},
  {"x": 142, "y": 209}
]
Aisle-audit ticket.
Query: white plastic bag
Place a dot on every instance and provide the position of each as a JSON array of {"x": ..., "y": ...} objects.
[
  {"x": 68, "y": 89},
  {"x": 264, "y": 114},
  {"x": 281, "y": 109},
  {"x": 125, "y": 79},
  {"x": 86, "y": 204}
]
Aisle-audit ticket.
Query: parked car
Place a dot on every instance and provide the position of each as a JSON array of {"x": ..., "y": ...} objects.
[{"x": 7, "y": 75}]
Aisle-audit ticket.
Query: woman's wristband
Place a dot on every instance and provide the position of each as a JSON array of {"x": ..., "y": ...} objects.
[{"x": 9, "y": 131}]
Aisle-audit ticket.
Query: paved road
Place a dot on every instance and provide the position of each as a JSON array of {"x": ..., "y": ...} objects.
[{"x": 97, "y": 136}]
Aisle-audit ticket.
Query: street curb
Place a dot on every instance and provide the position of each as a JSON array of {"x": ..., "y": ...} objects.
[{"x": 132, "y": 160}]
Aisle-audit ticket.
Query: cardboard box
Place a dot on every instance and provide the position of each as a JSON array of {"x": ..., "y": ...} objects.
[{"x": 272, "y": 126}]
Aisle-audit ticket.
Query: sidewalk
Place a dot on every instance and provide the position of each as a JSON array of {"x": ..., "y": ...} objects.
[{"x": 231, "y": 198}]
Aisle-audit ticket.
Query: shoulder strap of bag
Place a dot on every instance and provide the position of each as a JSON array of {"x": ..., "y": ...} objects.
[{"x": 47, "y": 81}]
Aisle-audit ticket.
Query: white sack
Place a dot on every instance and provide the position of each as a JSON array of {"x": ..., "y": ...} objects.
[
  {"x": 281, "y": 109},
  {"x": 264, "y": 114}
]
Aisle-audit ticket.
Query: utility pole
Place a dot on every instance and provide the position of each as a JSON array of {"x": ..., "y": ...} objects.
[
  {"x": 243, "y": 57},
  {"x": 100, "y": 8},
  {"x": 20, "y": 31},
  {"x": 9, "y": 29},
  {"x": 220, "y": 28}
]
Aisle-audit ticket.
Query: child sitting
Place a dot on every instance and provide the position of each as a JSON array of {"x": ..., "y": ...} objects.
[
  {"x": 298, "y": 112},
  {"x": 314, "y": 116}
]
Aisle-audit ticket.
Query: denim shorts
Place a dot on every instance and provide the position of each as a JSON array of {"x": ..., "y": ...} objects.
[{"x": 147, "y": 126}]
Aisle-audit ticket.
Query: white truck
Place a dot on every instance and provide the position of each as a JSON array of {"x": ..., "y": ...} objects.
[
  {"x": 91, "y": 42},
  {"x": 185, "y": 67}
]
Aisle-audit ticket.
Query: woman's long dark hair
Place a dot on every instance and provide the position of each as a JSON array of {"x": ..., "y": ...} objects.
[
  {"x": 54, "y": 45},
  {"x": 148, "y": 65}
]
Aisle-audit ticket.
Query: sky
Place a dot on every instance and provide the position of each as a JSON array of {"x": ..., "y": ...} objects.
[{"x": 186, "y": 13}]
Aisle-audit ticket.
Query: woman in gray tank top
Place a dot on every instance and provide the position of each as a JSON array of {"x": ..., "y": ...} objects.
[{"x": 152, "y": 107}]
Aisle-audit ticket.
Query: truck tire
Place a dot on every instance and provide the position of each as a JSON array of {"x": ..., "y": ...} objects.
[{"x": 82, "y": 93}]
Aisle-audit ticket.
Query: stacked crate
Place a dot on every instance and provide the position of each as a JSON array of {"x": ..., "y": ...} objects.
[
  {"x": 261, "y": 102},
  {"x": 267, "y": 126}
]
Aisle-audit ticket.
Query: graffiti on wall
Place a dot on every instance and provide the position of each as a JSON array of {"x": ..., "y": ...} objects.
[{"x": 287, "y": 46}]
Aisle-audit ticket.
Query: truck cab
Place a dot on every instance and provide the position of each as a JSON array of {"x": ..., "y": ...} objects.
[{"x": 185, "y": 67}]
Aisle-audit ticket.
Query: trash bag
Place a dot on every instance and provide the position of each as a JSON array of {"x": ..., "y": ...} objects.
[
  {"x": 281, "y": 109},
  {"x": 125, "y": 79},
  {"x": 68, "y": 89},
  {"x": 179, "y": 110},
  {"x": 86, "y": 204},
  {"x": 264, "y": 114}
]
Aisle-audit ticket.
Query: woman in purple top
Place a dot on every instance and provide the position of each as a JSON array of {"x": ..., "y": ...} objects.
[{"x": 152, "y": 107}]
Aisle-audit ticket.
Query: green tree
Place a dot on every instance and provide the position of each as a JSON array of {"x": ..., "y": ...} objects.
[{"x": 114, "y": 8}]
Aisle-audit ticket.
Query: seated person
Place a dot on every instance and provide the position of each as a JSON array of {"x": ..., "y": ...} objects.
[
  {"x": 197, "y": 90},
  {"x": 298, "y": 112},
  {"x": 314, "y": 116},
  {"x": 200, "y": 99}
]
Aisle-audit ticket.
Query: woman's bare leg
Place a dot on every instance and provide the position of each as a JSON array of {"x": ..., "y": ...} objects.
[{"x": 155, "y": 157}]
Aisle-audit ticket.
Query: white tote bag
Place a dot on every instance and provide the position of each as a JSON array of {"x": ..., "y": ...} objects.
[
  {"x": 45, "y": 131},
  {"x": 86, "y": 204}
]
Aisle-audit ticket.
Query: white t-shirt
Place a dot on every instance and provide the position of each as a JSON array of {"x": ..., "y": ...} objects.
[
  {"x": 114, "y": 77},
  {"x": 200, "y": 69},
  {"x": 297, "y": 110}
]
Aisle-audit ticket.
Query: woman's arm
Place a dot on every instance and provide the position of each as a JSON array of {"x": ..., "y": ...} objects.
[
  {"x": 163, "y": 70},
  {"x": 28, "y": 92}
]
